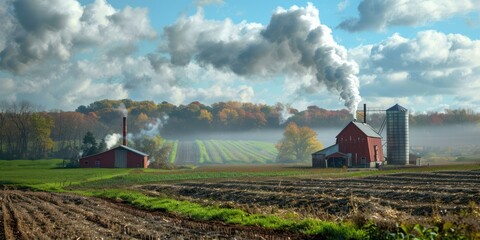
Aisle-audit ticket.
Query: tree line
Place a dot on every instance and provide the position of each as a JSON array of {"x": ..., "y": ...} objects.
[{"x": 27, "y": 131}]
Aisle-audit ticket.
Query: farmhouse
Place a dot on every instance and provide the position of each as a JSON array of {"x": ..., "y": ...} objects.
[
  {"x": 357, "y": 145},
  {"x": 119, "y": 157}
]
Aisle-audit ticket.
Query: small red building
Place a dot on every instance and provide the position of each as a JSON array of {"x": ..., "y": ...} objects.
[
  {"x": 357, "y": 145},
  {"x": 119, "y": 157}
]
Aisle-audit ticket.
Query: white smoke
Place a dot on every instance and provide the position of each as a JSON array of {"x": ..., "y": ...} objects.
[
  {"x": 284, "y": 113},
  {"x": 152, "y": 128},
  {"x": 112, "y": 139},
  {"x": 121, "y": 108},
  {"x": 294, "y": 43}
]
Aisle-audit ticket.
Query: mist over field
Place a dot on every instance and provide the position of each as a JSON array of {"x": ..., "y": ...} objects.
[
  {"x": 445, "y": 136},
  {"x": 425, "y": 136},
  {"x": 325, "y": 136}
]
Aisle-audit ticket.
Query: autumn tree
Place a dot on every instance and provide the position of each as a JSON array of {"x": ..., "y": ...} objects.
[
  {"x": 41, "y": 142},
  {"x": 297, "y": 144},
  {"x": 156, "y": 148}
]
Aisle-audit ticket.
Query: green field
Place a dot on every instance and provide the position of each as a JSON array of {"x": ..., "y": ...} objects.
[{"x": 202, "y": 152}]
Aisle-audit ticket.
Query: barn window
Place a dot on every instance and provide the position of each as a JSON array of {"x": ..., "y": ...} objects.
[
  {"x": 86, "y": 162},
  {"x": 97, "y": 163}
]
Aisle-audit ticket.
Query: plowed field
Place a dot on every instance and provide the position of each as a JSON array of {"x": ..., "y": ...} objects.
[
  {"x": 187, "y": 153},
  {"x": 396, "y": 196},
  {"x": 39, "y": 215}
]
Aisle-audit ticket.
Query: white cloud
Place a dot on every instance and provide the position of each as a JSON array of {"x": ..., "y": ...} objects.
[
  {"x": 342, "y": 5},
  {"x": 294, "y": 43},
  {"x": 430, "y": 65},
  {"x": 63, "y": 54},
  {"x": 53, "y": 30},
  {"x": 381, "y": 14}
]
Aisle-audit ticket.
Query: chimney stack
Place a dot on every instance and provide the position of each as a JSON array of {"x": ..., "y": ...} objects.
[
  {"x": 364, "y": 113},
  {"x": 124, "y": 131}
]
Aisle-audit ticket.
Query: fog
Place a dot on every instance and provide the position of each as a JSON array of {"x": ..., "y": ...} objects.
[
  {"x": 431, "y": 136},
  {"x": 445, "y": 136}
]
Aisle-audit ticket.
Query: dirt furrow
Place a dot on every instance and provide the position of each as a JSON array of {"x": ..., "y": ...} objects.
[
  {"x": 11, "y": 223},
  {"x": 2, "y": 227},
  {"x": 38, "y": 215},
  {"x": 417, "y": 194}
]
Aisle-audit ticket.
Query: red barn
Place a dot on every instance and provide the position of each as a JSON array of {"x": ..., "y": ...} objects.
[
  {"x": 119, "y": 157},
  {"x": 357, "y": 145}
]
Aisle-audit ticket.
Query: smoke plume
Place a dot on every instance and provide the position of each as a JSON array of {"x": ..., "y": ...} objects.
[
  {"x": 284, "y": 113},
  {"x": 112, "y": 139},
  {"x": 294, "y": 43},
  {"x": 152, "y": 128},
  {"x": 122, "y": 109}
]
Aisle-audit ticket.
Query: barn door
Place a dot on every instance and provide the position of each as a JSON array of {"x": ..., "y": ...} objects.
[{"x": 120, "y": 158}]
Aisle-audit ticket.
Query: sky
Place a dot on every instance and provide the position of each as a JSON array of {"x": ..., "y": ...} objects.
[{"x": 424, "y": 55}]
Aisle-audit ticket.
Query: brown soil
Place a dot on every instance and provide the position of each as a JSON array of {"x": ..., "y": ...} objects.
[
  {"x": 388, "y": 197},
  {"x": 40, "y": 215}
]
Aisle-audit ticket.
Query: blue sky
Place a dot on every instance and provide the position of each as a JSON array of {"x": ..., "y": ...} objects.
[{"x": 334, "y": 54}]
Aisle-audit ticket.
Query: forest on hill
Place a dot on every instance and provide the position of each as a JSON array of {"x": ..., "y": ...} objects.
[{"x": 26, "y": 131}]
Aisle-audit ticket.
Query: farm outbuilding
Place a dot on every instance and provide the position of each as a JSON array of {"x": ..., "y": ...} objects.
[
  {"x": 119, "y": 157},
  {"x": 357, "y": 145}
]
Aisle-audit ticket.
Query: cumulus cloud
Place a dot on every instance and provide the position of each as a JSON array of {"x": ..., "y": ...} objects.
[
  {"x": 431, "y": 64},
  {"x": 294, "y": 43},
  {"x": 53, "y": 30},
  {"x": 63, "y": 54},
  {"x": 381, "y": 14}
]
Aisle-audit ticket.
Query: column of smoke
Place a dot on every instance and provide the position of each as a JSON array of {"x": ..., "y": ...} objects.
[
  {"x": 113, "y": 139},
  {"x": 294, "y": 44},
  {"x": 284, "y": 114},
  {"x": 151, "y": 129}
]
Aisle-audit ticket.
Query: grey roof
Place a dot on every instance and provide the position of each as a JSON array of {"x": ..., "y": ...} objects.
[
  {"x": 397, "y": 108},
  {"x": 365, "y": 128},
  {"x": 120, "y": 146},
  {"x": 131, "y": 149},
  {"x": 328, "y": 150}
]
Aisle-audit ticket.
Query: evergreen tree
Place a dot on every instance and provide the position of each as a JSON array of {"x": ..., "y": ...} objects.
[{"x": 89, "y": 146}]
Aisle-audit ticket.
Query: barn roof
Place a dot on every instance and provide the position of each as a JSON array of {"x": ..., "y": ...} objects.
[
  {"x": 132, "y": 150},
  {"x": 397, "y": 108},
  {"x": 365, "y": 128},
  {"x": 327, "y": 150},
  {"x": 120, "y": 146}
]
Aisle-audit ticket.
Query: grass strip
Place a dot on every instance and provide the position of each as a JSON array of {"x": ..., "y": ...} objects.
[
  {"x": 203, "y": 152},
  {"x": 173, "y": 154},
  {"x": 213, "y": 152},
  {"x": 324, "y": 229},
  {"x": 132, "y": 179},
  {"x": 254, "y": 154}
]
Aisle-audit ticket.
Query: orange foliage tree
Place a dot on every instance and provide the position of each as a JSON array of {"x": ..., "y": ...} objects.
[{"x": 297, "y": 144}]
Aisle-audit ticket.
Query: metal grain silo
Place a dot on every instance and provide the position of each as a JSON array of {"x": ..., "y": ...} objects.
[{"x": 397, "y": 135}]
